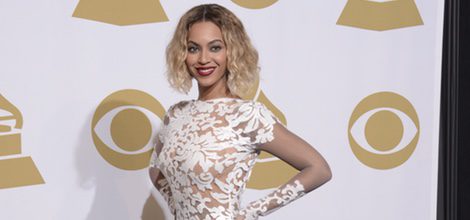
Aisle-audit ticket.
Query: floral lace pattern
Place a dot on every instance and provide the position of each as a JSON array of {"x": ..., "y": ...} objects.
[
  {"x": 209, "y": 149},
  {"x": 273, "y": 201}
]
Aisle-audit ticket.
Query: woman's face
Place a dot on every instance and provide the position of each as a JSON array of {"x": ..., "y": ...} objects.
[{"x": 207, "y": 55}]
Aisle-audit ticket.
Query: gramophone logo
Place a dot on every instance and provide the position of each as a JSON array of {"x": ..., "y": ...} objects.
[
  {"x": 128, "y": 12},
  {"x": 380, "y": 15},
  {"x": 121, "y": 12},
  {"x": 15, "y": 169}
]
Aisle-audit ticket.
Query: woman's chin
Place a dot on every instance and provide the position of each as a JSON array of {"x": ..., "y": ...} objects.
[
  {"x": 206, "y": 82},
  {"x": 202, "y": 84},
  {"x": 211, "y": 81}
]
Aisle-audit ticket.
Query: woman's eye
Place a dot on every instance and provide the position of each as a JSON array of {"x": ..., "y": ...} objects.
[
  {"x": 216, "y": 48},
  {"x": 192, "y": 49}
]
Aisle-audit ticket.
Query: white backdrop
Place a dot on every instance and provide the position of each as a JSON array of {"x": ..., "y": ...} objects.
[{"x": 57, "y": 70}]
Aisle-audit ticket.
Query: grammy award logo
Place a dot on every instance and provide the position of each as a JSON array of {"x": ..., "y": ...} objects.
[
  {"x": 15, "y": 170},
  {"x": 128, "y": 12},
  {"x": 121, "y": 12},
  {"x": 380, "y": 15},
  {"x": 262, "y": 176}
]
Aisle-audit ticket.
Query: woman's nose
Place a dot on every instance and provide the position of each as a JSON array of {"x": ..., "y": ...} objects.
[{"x": 204, "y": 57}]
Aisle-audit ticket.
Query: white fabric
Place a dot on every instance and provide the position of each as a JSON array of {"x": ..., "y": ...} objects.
[{"x": 209, "y": 149}]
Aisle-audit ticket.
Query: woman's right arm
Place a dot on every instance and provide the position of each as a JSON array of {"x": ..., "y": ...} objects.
[{"x": 159, "y": 180}]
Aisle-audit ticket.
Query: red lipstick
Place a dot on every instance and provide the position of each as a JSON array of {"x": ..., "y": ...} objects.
[{"x": 205, "y": 71}]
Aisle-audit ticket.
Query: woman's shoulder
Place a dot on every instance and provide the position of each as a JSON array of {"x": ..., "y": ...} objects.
[
  {"x": 255, "y": 110},
  {"x": 239, "y": 104},
  {"x": 253, "y": 104},
  {"x": 181, "y": 104},
  {"x": 250, "y": 109},
  {"x": 177, "y": 107}
]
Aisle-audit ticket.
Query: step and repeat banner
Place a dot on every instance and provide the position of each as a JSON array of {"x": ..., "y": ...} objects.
[{"x": 83, "y": 92}]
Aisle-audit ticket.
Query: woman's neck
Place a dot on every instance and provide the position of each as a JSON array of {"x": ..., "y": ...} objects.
[{"x": 218, "y": 90}]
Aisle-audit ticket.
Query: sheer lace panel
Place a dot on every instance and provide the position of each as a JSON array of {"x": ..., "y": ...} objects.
[{"x": 209, "y": 149}]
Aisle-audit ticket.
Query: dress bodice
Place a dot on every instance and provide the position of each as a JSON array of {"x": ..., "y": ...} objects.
[{"x": 209, "y": 149}]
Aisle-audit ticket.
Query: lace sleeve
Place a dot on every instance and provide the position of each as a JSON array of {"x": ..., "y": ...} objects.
[
  {"x": 161, "y": 183},
  {"x": 256, "y": 123},
  {"x": 275, "y": 200},
  {"x": 273, "y": 137},
  {"x": 158, "y": 179}
]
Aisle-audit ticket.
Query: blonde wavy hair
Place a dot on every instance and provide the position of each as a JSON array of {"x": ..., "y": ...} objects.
[{"x": 242, "y": 57}]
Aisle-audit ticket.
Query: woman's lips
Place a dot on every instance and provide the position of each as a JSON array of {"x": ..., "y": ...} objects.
[{"x": 205, "y": 71}]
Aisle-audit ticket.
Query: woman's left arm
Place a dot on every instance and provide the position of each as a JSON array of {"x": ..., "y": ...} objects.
[{"x": 314, "y": 171}]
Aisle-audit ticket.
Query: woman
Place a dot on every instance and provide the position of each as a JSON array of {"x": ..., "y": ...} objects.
[{"x": 207, "y": 147}]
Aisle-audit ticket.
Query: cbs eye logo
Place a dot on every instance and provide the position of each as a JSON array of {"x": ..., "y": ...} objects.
[
  {"x": 123, "y": 126},
  {"x": 383, "y": 130}
]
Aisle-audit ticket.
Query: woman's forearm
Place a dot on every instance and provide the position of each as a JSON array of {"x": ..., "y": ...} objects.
[{"x": 305, "y": 181}]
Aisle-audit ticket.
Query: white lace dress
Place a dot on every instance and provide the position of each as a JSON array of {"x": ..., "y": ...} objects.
[{"x": 208, "y": 151}]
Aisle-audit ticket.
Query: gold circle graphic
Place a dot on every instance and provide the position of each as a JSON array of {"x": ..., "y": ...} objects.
[
  {"x": 380, "y": 137},
  {"x": 380, "y": 122},
  {"x": 138, "y": 133},
  {"x": 131, "y": 129}
]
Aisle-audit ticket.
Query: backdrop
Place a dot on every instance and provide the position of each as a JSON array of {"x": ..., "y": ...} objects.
[{"x": 83, "y": 91}]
